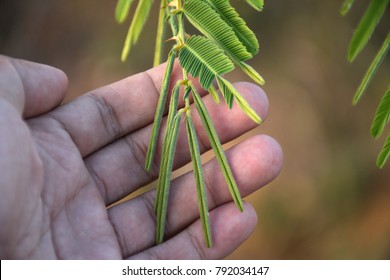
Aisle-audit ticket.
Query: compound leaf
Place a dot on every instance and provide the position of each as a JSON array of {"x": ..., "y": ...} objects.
[
  {"x": 384, "y": 154},
  {"x": 217, "y": 147},
  {"x": 199, "y": 178},
  {"x": 122, "y": 10},
  {"x": 382, "y": 115},
  {"x": 347, "y": 5},
  {"x": 165, "y": 176},
  {"x": 214, "y": 94},
  {"x": 202, "y": 58},
  {"x": 252, "y": 73},
  {"x": 160, "y": 35},
  {"x": 228, "y": 89},
  {"x": 160, "y": 109},
  {"x": 136, "y": 26},
  {"x": 233, "y": 19},
  {"x": 226, "y": 93},
  {"x": 164, "y": 159},
  {"x": 366, "y": 27},
  {"x": 372, "y": 69},
  {"x": 256, "y": 4},
  {"x": 209, "y": 22}
]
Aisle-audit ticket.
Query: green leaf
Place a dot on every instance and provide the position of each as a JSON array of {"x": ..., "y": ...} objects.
[
  {"x": 165, "y": 177},
  {"x": 347, "y": 4},
  {"x": 252, "y": 73},
  {"x": 201, "y": 58},
  {"x": 166, "y": 146},
  {"x": 256, "y": 4},
  {"x": 217, "y": 147},
  {"x": 366, "y": 27},
  {"x": 161, "y": 28},
  {"x": 382, "y": 116},
  {"x": 228, "y": 89},
  {"x": 136, "y": 26},
  {"x": 384, "y": 154},
  {"x": 207, "y": 21},
  {"x": 122, "y": 10},
  {"x": 233, "y": 19},
  {"x": 372, "y": 69},
  {"x": 214, "y": 94},
  {"x": 160, "y": 109},
  {"x": 226, "y": 93},
  {"x": 199, "y": 178}
]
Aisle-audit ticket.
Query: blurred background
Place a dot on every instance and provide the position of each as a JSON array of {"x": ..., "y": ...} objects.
[{"x": 330, "y": 201}]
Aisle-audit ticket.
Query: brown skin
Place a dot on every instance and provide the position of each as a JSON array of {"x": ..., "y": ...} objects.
[{"x": 61, "y": 166}]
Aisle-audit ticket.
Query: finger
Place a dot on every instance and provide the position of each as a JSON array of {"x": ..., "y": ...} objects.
[
  {"x": 103, "y": 115},
  {"x": 254, "y": 162},
  {"x": 30, "y": 87},
  {"x": 118, "y": 169},
  {"x": 230, "y": 228}
]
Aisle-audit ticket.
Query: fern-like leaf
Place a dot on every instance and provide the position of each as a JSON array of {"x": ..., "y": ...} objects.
[
  {"x": 173, "y": 104},
  {"x": 242, "y": 31},
  {"x": 347, "y": 5},
  {"x": 252, "y": 73},
  {"x": 199, "y": 179},
  {"x": 256, "y": 4},
  {"x": 384, "y": 154},
  {"x": 165, "y": 176},
  {"x": 382, "y": 116},
  {"x": 226, "y": 93},
  {"x": 201, "y": 58},
  {"x": 160, "y": 109},
  {"x": 233, "y": 19},
  {"x": 229, "y": 90},
  {"x": 366, "y": 27},
  {"x": 372, "y": 69},
  {"x": 136, "y": 26},
  {"x": 213, "y": 92},
  {"x": 160, "y": 35},
  {"x": 209, "y": 22},
  {"x": 122, "y": 10},
  {"x": 217, "y": 147}
]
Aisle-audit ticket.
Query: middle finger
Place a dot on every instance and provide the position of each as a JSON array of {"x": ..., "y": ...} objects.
[{"x": 118, "y": 169}]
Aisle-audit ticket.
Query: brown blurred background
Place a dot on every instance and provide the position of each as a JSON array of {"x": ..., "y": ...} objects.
[{"x": 330, "y": 201}]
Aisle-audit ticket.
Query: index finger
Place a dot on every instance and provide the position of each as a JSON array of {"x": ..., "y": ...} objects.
[{"x": 105, "y": 114}]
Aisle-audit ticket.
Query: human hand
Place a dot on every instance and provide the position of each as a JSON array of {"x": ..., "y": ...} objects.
[{"x": 61, "y": 166}]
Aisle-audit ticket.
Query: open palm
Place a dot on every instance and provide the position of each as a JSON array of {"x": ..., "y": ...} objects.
[{"x": 62, "y": 166}]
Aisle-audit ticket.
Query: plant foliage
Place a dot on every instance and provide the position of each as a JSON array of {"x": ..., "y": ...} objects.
[
  {"x": 238, "y": 25},
  {"x": 361, "y": 36},
  {"x": 122, "y": 10},
  {"x": 256, "y": 4},
  {"x": 202, "y": 58},
  {"x": 224, "y": 41},
  {"x": 382, "y": 116},
  {"x": 140, "y": 17},
  {"x": 209, "y": 22}
]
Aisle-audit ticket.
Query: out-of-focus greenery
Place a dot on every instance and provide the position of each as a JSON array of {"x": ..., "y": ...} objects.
[
  {"x": 367, "y": 25},
  {"x": 330, "y": 201}
]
